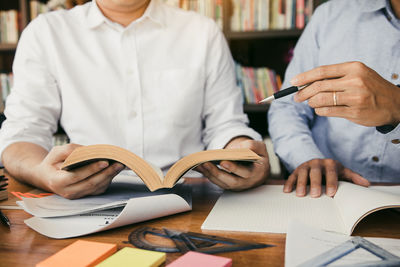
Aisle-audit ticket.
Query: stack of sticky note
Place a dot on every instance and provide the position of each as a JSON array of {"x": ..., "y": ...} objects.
[
  {"x": 196, "y": 259},
  {"x": 134, "y": 257},
  {"x": 80, "y": 254}
]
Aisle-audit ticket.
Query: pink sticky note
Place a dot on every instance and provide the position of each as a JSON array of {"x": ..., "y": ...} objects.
[{"x": 196, "y": 259}]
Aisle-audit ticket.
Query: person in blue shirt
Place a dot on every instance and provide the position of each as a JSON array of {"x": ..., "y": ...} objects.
[{"x": 345, "y": 124}]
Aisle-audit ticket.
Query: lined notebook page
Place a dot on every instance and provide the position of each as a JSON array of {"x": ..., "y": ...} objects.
[{"x": 268, "y": 209}]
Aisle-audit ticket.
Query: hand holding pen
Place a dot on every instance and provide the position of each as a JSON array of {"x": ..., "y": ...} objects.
[
  {"x": 282, "y": 93},
  {"x": 349, "y": 90}
]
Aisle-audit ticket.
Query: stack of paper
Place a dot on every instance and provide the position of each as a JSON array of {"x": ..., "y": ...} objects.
[{"x": 126, "y": 201}]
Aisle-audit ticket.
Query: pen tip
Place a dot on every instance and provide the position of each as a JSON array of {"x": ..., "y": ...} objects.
[{"x": 267, "y": 100}]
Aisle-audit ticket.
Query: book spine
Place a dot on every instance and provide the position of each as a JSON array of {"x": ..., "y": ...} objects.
[{"x": 300, "y": 21}]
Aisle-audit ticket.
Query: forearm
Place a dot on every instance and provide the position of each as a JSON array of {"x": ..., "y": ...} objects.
[{"x": 20, "y": 160}]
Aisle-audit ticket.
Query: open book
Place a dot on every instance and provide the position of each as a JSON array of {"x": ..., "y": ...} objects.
[
  {"x": 272, "y": 209},
  {"x": 151, "y": 175}
]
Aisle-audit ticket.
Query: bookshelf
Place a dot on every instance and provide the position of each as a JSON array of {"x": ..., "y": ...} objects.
[{"x": 251, "y": 48}]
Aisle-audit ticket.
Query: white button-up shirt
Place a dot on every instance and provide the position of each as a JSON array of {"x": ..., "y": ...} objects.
[{"x": 162, "y": 87}]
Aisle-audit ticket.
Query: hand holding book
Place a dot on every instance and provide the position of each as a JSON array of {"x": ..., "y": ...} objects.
[
  {"x": 94, "y": 179},
  {"x": 236, "y": 175}
]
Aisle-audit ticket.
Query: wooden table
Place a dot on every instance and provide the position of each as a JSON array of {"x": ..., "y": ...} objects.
[{"x": 21, "y": 246}]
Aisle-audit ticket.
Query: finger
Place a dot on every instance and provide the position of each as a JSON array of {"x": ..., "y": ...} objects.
[
  {"x": 336, "y": 111},
  {"x": 302, "y": 178},
  {"x": 320, "y": 73},
  {"x": 80, "y": 174},
  {"x": 331, "y": 176},
  {"x": 237, "y": 169},
  {"x": 315, "y": 181},
  {"x": 355, "y": 177},
  {"x": 206, "y": 167},
  {"x": 319, "y": 87},
  {"x": 231, "y": 181},
  {"x": 102, "y": 187},
  {"x": 60, "y": 153},
  {"x": 321, "y": 100},
  {"x": 96, "y": 181},
  {"x": 288, "y": 186}
]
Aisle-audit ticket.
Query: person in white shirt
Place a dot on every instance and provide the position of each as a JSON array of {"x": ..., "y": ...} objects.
[{"x": 154, "y": 79}]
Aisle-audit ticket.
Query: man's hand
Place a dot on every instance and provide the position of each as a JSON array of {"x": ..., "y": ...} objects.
[
  {"x": 92, "y": 179},
  {"x": 362, "y": 96},
  {"x": 314, "y": 171},
  {"x": 235, "y": 176}
]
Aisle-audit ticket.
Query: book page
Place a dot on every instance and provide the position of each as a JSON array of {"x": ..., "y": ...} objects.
[
  {"x": 268, "y": 209},
  {"x": 354, "y": 202},
  {"x": 304, "y": 242},
  {"x": 86, "y": 154}
]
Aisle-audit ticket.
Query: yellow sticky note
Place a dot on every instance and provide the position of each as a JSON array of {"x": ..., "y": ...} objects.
[{"x": 134, "y": 257}]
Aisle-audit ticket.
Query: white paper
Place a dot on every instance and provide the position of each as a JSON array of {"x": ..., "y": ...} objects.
[
  {"x": 136, "y": 210},
  {"x": 140, "y": 205},
  {"x": 268, "y": 209},
  {"x": 304, "y": 243}
]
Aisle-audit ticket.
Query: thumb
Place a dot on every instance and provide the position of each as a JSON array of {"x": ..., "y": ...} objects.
[
  {"x": 59, "y": 153},
  {"x": 355, "y": 178}
]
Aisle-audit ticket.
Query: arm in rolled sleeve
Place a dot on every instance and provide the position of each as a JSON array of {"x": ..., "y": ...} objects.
[
  {"x": 225, "y": 122},
  {"x": 290, "y": 127},
  {"x": 289, "y": 122},
  {"x": 32, "y": 112},
  {"x": 223, "y": 105}
]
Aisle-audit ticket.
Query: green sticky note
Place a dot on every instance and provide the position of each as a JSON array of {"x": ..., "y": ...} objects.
[{"x": 134, "y": 257}]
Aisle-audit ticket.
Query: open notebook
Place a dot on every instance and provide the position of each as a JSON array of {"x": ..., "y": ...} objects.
[{"x": 268, "y": 209}]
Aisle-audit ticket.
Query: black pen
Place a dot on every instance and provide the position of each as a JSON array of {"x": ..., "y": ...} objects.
[
  {"x": 283, "y": 92},
  {"x": 4, "y": 219}
]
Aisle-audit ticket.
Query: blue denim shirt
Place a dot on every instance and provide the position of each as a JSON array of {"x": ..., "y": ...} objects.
[{"x": 341, "y": 31}]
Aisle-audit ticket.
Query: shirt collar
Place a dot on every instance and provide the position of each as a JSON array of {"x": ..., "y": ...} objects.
[
  {"x": 154, "y": 12},
  {"x": 371, "y": 5}
]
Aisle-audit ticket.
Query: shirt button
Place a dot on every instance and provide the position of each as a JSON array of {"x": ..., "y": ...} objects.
[
  {"x": 375, "y": 158},
  {"x": 396, "y": 141},
  {"x": 133, "y": 114},
  {"x": 395, "y": 76},
  {"x": 129, "y": 71}
]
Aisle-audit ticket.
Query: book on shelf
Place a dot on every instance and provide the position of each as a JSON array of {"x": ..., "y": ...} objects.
[
  {"x": 257, "y": 83},
  {"x": 275, "y": 209},
  {"x": 9, "y": 26},
  {"x": 3, "y": 185},
  {"x": 6, "y": 83},
  {"x": 209, "y": 8},
  {"x": 151, "y": 175},
  {"x": 36, "y": 8},
  {"x": 258, "y": 15}
]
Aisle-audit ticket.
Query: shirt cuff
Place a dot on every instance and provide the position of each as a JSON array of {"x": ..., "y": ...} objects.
[
  {"x": 390, "y": 133},
  {"x": 294, "y": 154},
  {"x": 223, "y": 139}
]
